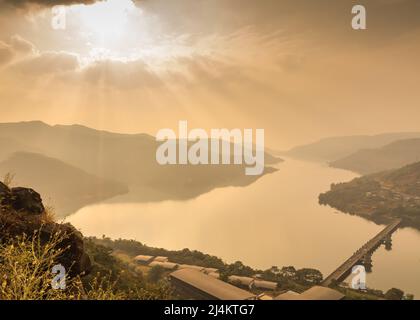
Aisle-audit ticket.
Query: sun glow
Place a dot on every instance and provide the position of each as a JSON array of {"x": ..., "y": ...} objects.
[{"x": 108, "y": 20}]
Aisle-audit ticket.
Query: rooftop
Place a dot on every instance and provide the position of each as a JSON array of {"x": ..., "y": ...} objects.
[{"x": 210, "y": 285}]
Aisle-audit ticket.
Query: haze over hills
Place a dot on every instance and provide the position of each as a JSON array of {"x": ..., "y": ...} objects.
[
  {"x": 333, "y": 148},
  {"x": 64, "y": 187},
  {"x": 391, "y": 156},
  {"x": 129, "y": 159}
]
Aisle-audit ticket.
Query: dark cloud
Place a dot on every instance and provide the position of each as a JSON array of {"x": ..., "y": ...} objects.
[
  {"x": 322, "y": 19},
  {"x": 48, "y": 3}
]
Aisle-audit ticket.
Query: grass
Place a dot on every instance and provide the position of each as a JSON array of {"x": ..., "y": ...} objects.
[{"x": 8, "y": 179}]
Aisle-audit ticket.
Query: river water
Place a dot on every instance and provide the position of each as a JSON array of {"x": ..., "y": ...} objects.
[{"x": 275, "y": 221}]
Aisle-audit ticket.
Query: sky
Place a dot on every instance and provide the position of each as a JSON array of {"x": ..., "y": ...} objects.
[{"x": 295, "y": 68}]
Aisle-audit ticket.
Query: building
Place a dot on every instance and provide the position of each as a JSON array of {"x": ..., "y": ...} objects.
[
  {"x": 210, "y": 270},
  {"x": 189, "y": 266},
  {"x": 165, "y": 265},
  {"x": 265, "y": 285},
  {"x": 161, "y": 259},
  {"x": 289, "y": 295},
  {"x": 314, "y": 293},
  {"x": 241, "y": 281},
  {"x": 197, "y": 285},
  {"x": 143, "y": 259},
  {"x": 214, "y": 274}
]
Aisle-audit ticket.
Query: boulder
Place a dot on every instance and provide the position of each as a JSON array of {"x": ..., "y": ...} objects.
[
  {"x": 74, "y": 258},
  {"x": 27, "y": 200},
  {"x": 21, "y": 199},
  {"x": 21, "y": 215},
  {"x": 3, "y": 188},
  {"x": 5, "y": 194}
]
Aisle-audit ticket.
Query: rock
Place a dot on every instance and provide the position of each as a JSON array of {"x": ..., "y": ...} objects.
[
  {"x": 3, "y": 188},
  {"x": 5, "y": 195},
  {"x": 20, "y": 215},
  {"x": 27, "y": 200},
  {"x": 21, "y": 199},
  {"x": 74, "y": 259}
]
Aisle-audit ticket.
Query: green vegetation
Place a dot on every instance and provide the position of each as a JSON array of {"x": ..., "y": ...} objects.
[
  {"x": 287, "y": 278},
  {"x": 380, "y": 197}
]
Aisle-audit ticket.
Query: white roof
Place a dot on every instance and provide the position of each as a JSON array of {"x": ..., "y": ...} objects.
[
  {"x": 261, "y": 284},
  {"x": 189, "y": 266},
  {"x": 322, "y": 293},
  {"x": 143, "y": 258},
  {"x": 161, "y": 259},
  {"x": 289, "y": 295},
  {"x": 211, "y": 286},
  {"x": 245, "y": 281},
  {"x": 314, "y": 293},
  {"x": 214, "y": 274},
  {"x": 165, "y": 265}
]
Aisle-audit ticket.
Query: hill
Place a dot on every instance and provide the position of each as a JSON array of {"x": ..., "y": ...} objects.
[
  {"x": 391, "y": 156},
  {"x": 65, "y": 187},
  {"x": 331, "y": 149},
  {"x": 380, "y": 197},
  {"x": 127, "y": 158}
]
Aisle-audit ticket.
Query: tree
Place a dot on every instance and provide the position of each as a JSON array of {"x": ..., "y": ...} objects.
[
  {"x": 309, "y": 276},
  {"x": 155, "y": 274},
  {"x": 394, "y": 294}
]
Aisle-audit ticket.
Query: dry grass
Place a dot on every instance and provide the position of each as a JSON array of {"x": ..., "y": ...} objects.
[
  {"x": 26, "y": 273},
  {"x": 25, "y": 269},
  {"x": 8, "y": 179},
  {"x": 49, "y": 215}
]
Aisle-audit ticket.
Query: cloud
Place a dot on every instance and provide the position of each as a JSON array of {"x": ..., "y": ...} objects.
[
  {"x": 15, "y": 47},
  {"x": 47, "y": 63},
  {"x": 21, "y": 45},
  {"x": 121, "y": 75},
  {"x": 321, "y": 20},
  {"x": 47, "y": 3},
  {"x": 6, "y": 53}
]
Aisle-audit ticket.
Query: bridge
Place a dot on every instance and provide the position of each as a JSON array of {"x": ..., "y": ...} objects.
[{"x": 363, "y": 256}]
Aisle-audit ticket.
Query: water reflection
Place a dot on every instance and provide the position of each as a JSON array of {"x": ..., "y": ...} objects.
[{"x": 275, "y": 221}]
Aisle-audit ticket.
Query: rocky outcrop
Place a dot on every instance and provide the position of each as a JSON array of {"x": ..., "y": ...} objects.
[
  {"x": 21, "y": 214},
  {"x": 21, "y": 199}
]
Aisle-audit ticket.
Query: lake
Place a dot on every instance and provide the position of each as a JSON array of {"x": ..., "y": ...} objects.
[{"x": 275, "y": 221}]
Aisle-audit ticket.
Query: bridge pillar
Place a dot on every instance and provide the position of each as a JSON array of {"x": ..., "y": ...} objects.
[
  {"x": 388, "y": 242},
  {"x": 367, "y": 262}
]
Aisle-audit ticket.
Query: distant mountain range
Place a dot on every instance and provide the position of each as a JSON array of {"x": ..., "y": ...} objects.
[
  {"x": 334, "y": 148},
  {"x": 390, "y": 156},
  {"x": 71, "y": 161}
]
